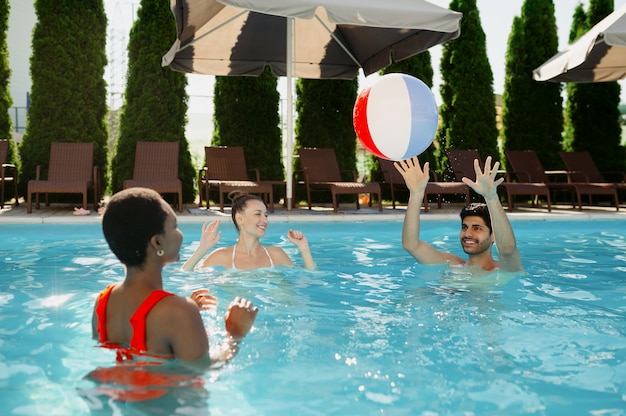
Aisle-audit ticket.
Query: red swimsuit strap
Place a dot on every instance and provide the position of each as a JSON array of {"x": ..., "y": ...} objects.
[
  {"x": 138, "y": 320},
  {"x": 101, "y": 309}
]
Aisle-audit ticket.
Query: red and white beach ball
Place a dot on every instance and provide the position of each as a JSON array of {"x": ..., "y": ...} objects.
[{"x": 396, "y": 117}]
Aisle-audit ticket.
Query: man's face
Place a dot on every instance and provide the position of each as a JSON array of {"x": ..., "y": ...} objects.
[{"x": 476, "y": 237}]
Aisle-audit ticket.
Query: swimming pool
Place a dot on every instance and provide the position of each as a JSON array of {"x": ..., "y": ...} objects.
[{"x": 370, "y": 332}]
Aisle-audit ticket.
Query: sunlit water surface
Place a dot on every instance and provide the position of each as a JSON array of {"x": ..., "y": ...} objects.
[{"x": 369, "y": 333}]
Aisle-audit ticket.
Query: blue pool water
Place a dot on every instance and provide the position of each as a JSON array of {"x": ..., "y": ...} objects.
[{"x": 369, "y": 333}]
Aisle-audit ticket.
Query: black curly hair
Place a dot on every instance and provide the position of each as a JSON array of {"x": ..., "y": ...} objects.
[{"x": 130, "y": 219}]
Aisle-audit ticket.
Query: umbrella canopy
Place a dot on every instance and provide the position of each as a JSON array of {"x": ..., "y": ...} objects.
[
  {"x": 332, "y": 39},
  {"x": 319, "y": 39},
  {"x": 597, "y": 56}
]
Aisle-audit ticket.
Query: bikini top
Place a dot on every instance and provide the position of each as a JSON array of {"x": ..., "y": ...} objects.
[
  {"x": 137, "y": 321},
  {"x": 266, "y": 252}
]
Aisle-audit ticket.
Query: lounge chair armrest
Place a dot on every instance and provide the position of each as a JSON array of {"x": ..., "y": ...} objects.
[
  {"x": 556, "y": 174},
  {"x": 257, "y": 173},
  {"x": 6, "y": 167},
  {"x": 574, "y": 176}
]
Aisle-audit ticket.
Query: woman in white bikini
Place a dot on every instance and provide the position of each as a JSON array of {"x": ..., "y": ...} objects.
[{"x": 249, "y": 215}]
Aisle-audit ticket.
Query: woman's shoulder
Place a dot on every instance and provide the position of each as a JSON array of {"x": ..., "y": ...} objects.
[
  {"x": 219, "y": 257},
  {"x": 278, "y": 255},
  {"x": 276, "y": 249}
]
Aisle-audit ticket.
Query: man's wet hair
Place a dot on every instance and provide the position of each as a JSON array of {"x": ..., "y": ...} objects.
[{"x": 477, "y": 209}]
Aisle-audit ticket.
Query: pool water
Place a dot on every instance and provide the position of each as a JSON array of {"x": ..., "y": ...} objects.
[{"x": 369, "y": 333}]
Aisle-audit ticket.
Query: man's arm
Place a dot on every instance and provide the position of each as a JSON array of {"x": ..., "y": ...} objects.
[
  {"x": 416, "y": 180},
  {"x": 486, "y": 185}
]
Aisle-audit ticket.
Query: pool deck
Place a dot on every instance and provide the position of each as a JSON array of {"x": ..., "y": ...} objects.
[{"x": 64, "y": 213}]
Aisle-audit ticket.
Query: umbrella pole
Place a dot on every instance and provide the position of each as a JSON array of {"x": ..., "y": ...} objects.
[{"x": 289, "y": 133}]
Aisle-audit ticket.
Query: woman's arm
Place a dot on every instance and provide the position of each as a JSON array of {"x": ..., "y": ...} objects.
[
  {"x": 208, "y": 239},
  {"x": 300, "y": 241}
]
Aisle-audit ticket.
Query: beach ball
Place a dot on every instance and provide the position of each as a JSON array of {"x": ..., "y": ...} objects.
[{"x": 396, "y": 117}]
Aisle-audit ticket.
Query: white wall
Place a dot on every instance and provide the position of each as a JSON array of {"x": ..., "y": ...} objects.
[{"x": 21, "y": 23}]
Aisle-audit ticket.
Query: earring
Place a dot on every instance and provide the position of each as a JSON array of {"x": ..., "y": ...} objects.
[{"x": 160, "y": 252}]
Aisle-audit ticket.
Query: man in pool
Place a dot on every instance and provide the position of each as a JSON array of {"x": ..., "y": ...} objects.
[{"x": 481, "y": 224}]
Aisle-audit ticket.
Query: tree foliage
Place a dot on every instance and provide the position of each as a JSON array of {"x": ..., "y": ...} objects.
[
  {"x": 6, "y": 124},
  {"x": 467, "y": 111},
  {"x": 324, "y": 119},
  {"x": 247, "y": 114},
  {"x": 592, "y": 110},
  {"x": 68, "y": 96},
  {"x": 5, "y": 73},
  {"x": 155, "y": 107},
  {"x": 532, "y": 115}
]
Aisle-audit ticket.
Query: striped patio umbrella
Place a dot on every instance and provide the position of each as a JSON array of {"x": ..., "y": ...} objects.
[{"x": 319, "y": 39}]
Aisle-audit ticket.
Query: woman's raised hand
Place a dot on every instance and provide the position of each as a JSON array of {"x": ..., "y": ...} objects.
[{"x": 203, "y": 299}]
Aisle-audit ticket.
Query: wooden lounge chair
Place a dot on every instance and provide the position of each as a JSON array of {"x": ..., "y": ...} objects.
[
  {"x": 394, "y": 179},
  {"x": 582, "y": 168},
  {"x": 321, "y": 172},
  {"x": 527, "y": 165},
  {"x": 8, "y": 173},
  {"x": 156, "y": 167},
  {"x": 71, "y": 171},
  {"x": 462, "y": 163},
  {"x": 226, "y": 171}
]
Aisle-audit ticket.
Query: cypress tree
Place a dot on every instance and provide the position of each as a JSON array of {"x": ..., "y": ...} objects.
[
  {"x": 247, "y": 114},
  {"x": 578, "y": 28},
  {"x": 6, "y": 102},
  {"x": 68, "y": 95},
  {"x": 532, "y": 114},
  {"x": 468, "y": 109},
  {"x": 592, "y": 111},
  {"x": 6, "y": 124},
  {"x": 324, "y": 110},
  {"x": 155, "y": 107}
]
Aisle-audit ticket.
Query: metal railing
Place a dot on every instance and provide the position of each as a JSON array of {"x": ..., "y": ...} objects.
[{"x": 19, "y": 116}]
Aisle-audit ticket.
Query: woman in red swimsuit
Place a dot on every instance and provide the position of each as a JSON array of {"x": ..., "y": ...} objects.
[{"x": 137, "y": 316}]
